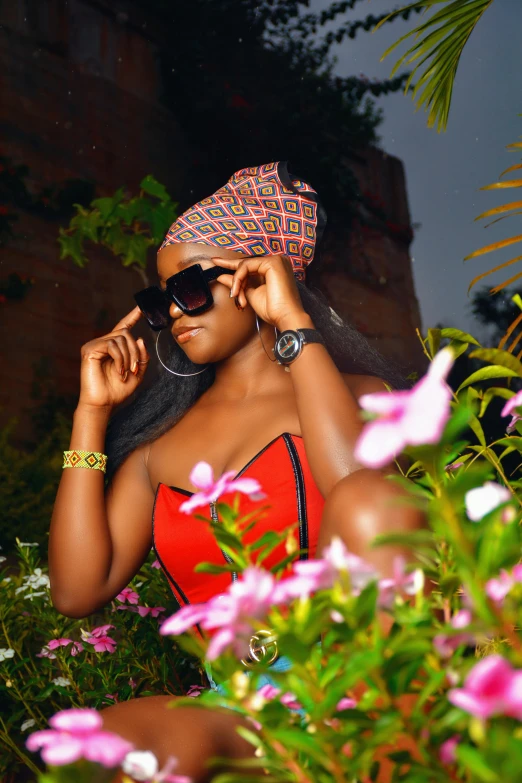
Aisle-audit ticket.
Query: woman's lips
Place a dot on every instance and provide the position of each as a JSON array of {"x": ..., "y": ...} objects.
[{"x": 186, "y": 336}]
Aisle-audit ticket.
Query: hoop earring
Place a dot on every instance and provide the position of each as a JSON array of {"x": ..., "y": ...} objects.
[
  {"x": 181, "y": 374},
  {"x": 272, "y": 359}
]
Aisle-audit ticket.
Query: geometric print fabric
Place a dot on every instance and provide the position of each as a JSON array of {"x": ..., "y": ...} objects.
[{"x": 261, "y": 210}]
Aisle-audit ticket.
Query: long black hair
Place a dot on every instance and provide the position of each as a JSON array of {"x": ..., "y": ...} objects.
[{"x": 157, "y": 409}]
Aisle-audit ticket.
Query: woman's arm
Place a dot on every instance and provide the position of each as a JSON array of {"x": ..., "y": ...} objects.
[
  {"x": 98, "y": 542},
  {"x": 328, "y": 410}
]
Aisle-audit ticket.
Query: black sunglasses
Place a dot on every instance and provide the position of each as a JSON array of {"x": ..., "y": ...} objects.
[{"x": 189, "y": 289}]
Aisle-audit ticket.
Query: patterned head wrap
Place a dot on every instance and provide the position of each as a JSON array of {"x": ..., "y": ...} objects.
[{"x": 261, "y": 210}]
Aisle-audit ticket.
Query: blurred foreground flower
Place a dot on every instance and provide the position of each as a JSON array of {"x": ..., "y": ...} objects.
[
  {"x": 513, "y": 404},
  {"x": 76, "y": 734},
  {"x": 413, "y": 417},
  {"x": 482, "y": 500},
  {"x": 492, "y": 687},
  {"x": 232, "y": 613},
  {"x": 202, "y": 477}
]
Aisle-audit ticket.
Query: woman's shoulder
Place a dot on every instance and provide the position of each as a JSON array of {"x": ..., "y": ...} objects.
[{"x": 363, "y": 384}]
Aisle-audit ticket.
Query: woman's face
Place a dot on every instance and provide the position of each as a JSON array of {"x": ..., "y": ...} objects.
[{"x": 223, "y": 329}]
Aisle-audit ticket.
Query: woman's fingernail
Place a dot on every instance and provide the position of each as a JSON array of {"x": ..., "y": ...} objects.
[
  {"x": 236, "y": 300},
  {"x": 122, "y": 371},
  {"x": 124, "y": 378},
  {"x": 231, "y": 294},
  {"x": 134, "y": 367}
]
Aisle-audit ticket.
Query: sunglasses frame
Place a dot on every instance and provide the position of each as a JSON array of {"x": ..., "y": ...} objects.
[{"x": 165, "y": 297}]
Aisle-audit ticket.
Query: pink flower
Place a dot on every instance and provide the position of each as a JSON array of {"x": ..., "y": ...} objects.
[
  {"x": 446, "y": 644},
  {"x": 454, "y": 466},
  {"x": 230, "y": 613},
  {"x": 99, "y": 639},
  {"x": 77, "y": 734},
  {"x": 132, "y": 683},
  {"x": 401, "y": 582},
  {"x": 155, "y": 564},
  {"x": 447, "y": 752},
  {"x": 202, "y": 477},
  {"x": 482, "y": 500},
  {"x": 412, "y": 417},
  {"x": 270, "y": 692},
  {"x": 101, "y": 630},
  {"x": 511, "y": 404},
  {"x": 128, "y": 595},
  {"x": 54, "y": 643},
  {"x": 497, "y": 589},
  {"x": 321, "y": 574},
  {"x": 194, "y": 691},
  {"x": 492, "y": 687},
  {"x": 346, "y": 704}
]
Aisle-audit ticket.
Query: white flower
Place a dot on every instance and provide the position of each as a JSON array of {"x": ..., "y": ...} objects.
[
  {"x": 481, "y": 500},
  {"x": 34, "y": 580},
  {"x": 6, "y": 579},
  {"x": 27, "y": 724},
  {"x": 35, "y": 595},
  {"x": 6, "y": 652},
  {"x": 141, "y": 764},
  {"x": 2, "y": 558},
  {"x": 61, "y": 681}
]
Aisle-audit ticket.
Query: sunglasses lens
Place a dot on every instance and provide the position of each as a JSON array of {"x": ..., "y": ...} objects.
[
  {"x": 155, "y": 307},
  {"x": 189, "y": 289}
]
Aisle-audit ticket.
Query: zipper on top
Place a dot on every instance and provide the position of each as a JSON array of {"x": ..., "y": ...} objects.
[{"x": 215, "y": 518}]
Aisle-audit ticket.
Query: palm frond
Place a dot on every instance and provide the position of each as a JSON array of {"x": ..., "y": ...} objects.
[
  {"x": 438, "y": 48},
  {"x": 511, "y": 209}
]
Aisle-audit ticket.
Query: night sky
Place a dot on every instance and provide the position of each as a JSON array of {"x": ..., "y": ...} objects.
[{"x": 444, "y": 171}]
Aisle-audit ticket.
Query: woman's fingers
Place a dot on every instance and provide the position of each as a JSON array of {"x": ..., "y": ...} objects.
[
  {"x": 114, "y": 351},
  {"x": 143, "y": 358},
  {"x": 129, "y": 320}
]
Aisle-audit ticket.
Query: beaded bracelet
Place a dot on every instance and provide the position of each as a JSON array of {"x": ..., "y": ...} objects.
[{"x": 84, "y": 459}]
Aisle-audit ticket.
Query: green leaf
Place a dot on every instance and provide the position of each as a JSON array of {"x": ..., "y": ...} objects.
[
  {"x": 457, "y": 334},
  {"x": 474, "y": 761},
  {"x": 154, "y": 188},
  {"x": 485, "y": 374},
  {"x": 476, "y": 427},
  {"x": 364, "y": 609},
  {"x": 494, "y": 391},
  {"x": 499, "y": 358},
  {"x": 434, "y": 336},
  {"x": 512, "y": 441}
]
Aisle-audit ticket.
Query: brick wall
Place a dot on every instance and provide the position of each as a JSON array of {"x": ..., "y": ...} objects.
[{"x": 79, "y": 87}]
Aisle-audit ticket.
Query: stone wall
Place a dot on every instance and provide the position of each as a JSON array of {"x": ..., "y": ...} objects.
[{"x": 79, "y": 98}]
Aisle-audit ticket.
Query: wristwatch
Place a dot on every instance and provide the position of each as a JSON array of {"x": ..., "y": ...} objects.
[{"x": 290, "y": 343}]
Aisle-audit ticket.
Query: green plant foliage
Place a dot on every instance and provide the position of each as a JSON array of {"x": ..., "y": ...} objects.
[
  {"x": 399, "y": 676},
  {"x": 142, "y": 663},
  {"x": 126, "y": 226},
  {"x": 28, "y": 483},
  {"x": 442, "y": 39}
]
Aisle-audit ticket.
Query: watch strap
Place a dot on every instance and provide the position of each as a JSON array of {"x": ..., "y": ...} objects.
[{"x": 311, "y": 336}]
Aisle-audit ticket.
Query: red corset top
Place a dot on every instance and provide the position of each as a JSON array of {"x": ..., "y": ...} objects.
[{"x": 181, "y": 542}]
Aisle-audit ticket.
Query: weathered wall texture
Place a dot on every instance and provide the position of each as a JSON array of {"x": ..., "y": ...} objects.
[{"x": 79, "y": 87}]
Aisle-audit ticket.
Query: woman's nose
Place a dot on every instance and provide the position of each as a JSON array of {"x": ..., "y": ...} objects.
[{"x": 174, "y": 311}]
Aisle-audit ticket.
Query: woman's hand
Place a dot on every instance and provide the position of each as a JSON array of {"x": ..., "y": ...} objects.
[
  {"x": 113, "y": 366},
  {"x": 267, "y": 284}
]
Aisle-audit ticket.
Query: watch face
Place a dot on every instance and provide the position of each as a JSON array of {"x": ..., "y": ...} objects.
[{"x": 287, "y": 346}]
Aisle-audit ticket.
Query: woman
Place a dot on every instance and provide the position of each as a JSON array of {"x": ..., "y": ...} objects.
[{"x": 292, "y": 423}]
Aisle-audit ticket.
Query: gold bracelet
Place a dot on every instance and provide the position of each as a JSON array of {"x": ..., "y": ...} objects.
[{"x": 84, "y": 459}]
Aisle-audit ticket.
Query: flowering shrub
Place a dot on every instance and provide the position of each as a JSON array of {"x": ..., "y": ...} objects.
[
  {"x": 50, "y": 663},
  {"x": 416, "y": 677}
]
